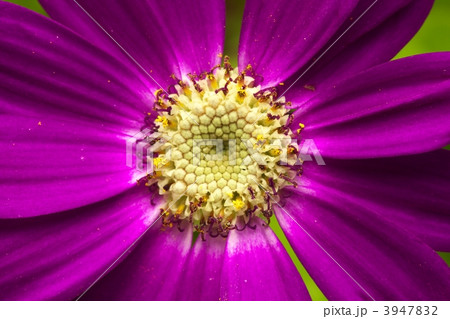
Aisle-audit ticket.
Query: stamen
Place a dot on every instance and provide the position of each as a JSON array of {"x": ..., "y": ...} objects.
[
  {"x": 238, "y": 204},
  {"x": 204, "y": 167},
  {"x": 302, "y": 126}
]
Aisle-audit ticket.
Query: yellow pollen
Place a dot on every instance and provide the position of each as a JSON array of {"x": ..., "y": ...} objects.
[
  {"x": 180, "y": 209},
  {"x": 158, "y": 162},
  {"x": 213, "y": 81},
  {"x": 238, "y": 203},
  {"x": 302, "y": 126},
  {"x": 158, "y": 92},
  {"x": 163, "y": 120},
  {"x": 275, "y": 152},
  {"x": 291, "y": 149},
  {"x": 260, "y": 141},
  {"x": 241, "y": 94},
  {"x": 187, "y": 91},
  {"x": 205, "y": 168}
]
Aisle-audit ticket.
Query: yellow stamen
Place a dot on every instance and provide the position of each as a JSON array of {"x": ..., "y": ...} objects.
[
  {"x": 158, "y": 92},
  {"x": 220, "y": 189},
  {"x": 238, "y": 203},
  {"x": 158, "y": 162},
  {"x": 292, "y": 149},
  {"x": 241, "y": 94},
  {"x": 302, "y": 126},
  {"x": 163, "y": 120},
  {"x": 180, "y": 209},
  {"x": 275, "y": 152},
  {"x": 260, "y": 141},
  {"x": 187, "y": 91},
  {"x": 213, "y": 81}
]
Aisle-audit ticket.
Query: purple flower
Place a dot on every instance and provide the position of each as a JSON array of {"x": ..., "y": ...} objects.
[{"x": 74, "y": 89}]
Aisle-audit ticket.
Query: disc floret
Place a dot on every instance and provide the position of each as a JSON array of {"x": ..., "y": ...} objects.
[{"x": 224, "y": 150}]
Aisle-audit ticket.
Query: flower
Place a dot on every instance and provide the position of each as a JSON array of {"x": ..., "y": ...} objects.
[{"x": 74, "y": 90}]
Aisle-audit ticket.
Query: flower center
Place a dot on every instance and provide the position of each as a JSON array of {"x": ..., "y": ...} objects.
[{"x": 222, "y": 150}]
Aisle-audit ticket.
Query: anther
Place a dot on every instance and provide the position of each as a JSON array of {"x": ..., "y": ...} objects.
[{"x": 218, "y": 196}]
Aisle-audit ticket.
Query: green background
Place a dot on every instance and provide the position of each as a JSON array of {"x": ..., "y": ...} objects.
[{"x": 433, "y": 36}]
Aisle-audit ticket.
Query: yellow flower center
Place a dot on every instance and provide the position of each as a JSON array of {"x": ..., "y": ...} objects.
[{"x": 224, "y": 150}]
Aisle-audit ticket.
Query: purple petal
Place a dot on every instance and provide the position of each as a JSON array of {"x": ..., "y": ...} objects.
[
  {"x": 67, "y": 109},
  {"x": 383, "y": 29},
  {"x": 49, "y": 166},
  {"x": 204, "y": 268},
  {"x": 257, "y": 267},
  {"x": 164, "y": 37},
  {"x": 411, "y": 192},
  {"x": 47, "y": 69},
  {"x": 353, "y": 253},
  {"x": 279, "y": 37},
  {"x": 58, "y": 256},
  {"x": 153, "y": 271},
  {"x": 397, "y": 108}
]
